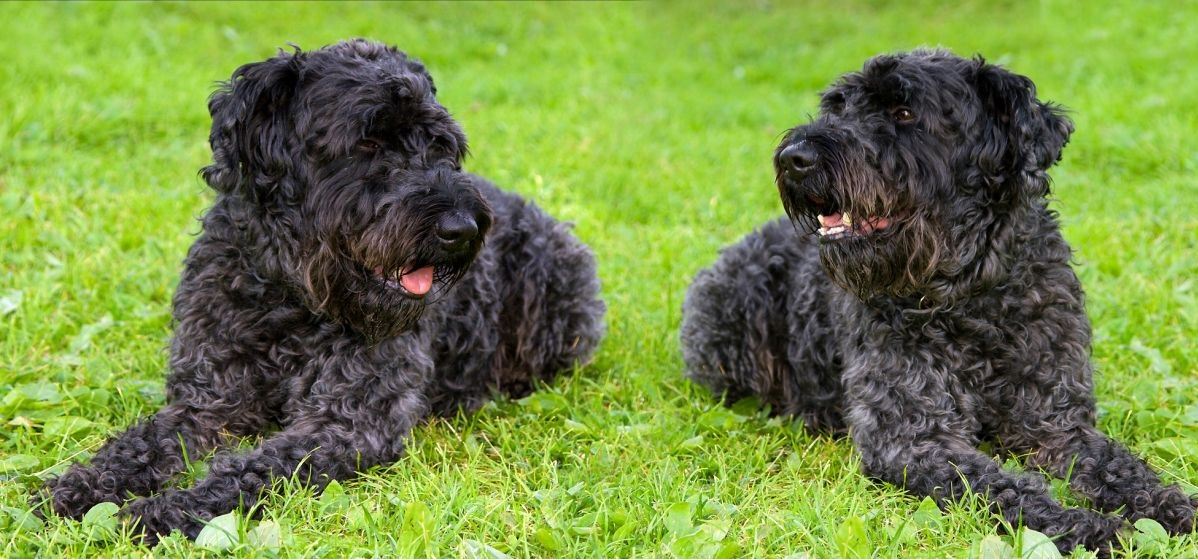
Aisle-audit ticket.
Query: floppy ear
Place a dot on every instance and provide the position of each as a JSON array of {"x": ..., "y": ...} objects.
[
  {"x": 250, "y": 125},
  {"x": 1021, "y": 137}
]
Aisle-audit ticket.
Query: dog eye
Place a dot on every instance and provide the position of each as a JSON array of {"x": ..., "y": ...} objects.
[
  {"x": 369, "y": 146},
  {"x": 902, "y": 115}
]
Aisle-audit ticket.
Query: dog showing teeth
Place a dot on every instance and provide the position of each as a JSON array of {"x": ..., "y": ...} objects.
[
  {"x": 960, "y": 320},
  {"x": 834, "y": 224}
]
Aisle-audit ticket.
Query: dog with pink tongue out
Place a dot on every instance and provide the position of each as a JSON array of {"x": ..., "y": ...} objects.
[{"x": 350, "y": 280}]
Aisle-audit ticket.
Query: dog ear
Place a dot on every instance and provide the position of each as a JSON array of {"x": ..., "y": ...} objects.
[
  {"x": 249, "y": 125},
  {"x": 1021, "y": 136}
]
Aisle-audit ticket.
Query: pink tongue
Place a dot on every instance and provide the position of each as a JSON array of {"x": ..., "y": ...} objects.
[
  {"x": 417, "y": 282},
  {"x": 830, "y": 221}
]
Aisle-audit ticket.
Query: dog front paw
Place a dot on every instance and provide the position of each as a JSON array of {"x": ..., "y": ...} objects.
[
  {"x": 1174, "y": 510},
  {"x": 1168, "y": 505},
  {"x": 1109, "y": 535},
  {"x": 1093, "y": 531},
  {"x": 75, "y": 492},
  {"x": 155, "y": 517}
]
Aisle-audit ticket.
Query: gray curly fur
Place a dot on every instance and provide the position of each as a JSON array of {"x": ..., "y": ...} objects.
[
  {"x": 334, "y": 170},
  {"x": 959, "y": 321}
]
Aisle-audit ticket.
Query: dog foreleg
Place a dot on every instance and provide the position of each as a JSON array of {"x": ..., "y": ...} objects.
[
  {"x": 948, "y": 471},
  {"x": 137, "y": 461},
  {"x": 345, "y": 428},
  {"x": 1112, "y": 477},
  {"x": 913, "y": 427}
]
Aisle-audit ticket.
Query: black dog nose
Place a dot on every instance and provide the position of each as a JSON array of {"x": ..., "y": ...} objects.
[
  {"x": 799, "y": 157},
  {"x": 456, "y": 230}
]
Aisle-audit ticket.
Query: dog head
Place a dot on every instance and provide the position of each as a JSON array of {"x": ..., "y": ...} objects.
[
  {"x": 914, "y": 167},
  {"x": 351, "y": 171}
]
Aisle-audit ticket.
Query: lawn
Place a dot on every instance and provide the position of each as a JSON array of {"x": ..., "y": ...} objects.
[{"x": 650, "y": 126}]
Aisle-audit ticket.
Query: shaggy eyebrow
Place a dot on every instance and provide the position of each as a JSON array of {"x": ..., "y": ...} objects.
[{"x": 889, "y": 91}]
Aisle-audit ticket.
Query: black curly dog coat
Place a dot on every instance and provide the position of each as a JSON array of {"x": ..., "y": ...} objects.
[
  {"x": 350, "y": 280},
  {"x": 923, "y": 299}
]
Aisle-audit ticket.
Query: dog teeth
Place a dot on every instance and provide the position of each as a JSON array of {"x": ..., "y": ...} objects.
[
  {"x": 832, "y": 230},
  {"x": 847, "y": 219}
]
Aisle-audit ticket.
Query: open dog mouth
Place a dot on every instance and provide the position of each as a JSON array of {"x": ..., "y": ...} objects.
[
  {"x": 839, "y": 225},
  {"x": 411, "y": 281}
]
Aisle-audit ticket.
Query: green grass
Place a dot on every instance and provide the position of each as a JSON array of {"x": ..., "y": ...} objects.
[{"x": 650, "y": 126}]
